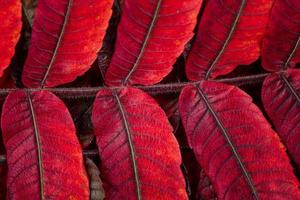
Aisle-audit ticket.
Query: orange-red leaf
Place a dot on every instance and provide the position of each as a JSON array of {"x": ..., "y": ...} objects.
[
  {"x": 281, "y": 98},
  {"x": 67, "y": 34},
  {"x": 10, "y": 27},
  {"x": 43, "y": 154},
  {"x": 140, "y": 158},
  {"x": 235, "y": 144},
  {"x": 229, "y": 35},
  {"x": 151, "y": 35},
  {"x": 281, "y": 42}
]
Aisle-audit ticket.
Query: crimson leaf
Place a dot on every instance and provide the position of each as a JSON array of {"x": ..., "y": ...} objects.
[
  {"x": 151, "y": 35},
  {"x": 229, "y": 35},
  {"x": 10, "y": 26},
  {"x": 281, "y": 98},
  {"x": 66, "y": 37},
  {"x": 140, "y": 157},
  {"x": 40, "y": 140},
  {"x": 282, "y": 39},
  {"x": 235, "y": 144}
]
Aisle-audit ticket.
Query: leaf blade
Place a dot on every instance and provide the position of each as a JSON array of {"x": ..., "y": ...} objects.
[
  {"x": 151, "y": 35},
  {"x": 281, "y": 99},
  {"x": 281, "y": 43},
  {"x": 31, "y": 128},
  {"x": 250, "y": 135},
  {"x": 229, "y": 34},
  {"x": 143, "y": 152},
  {"x": 65, "y": 40},
  {"x": 10, "y": 17}
]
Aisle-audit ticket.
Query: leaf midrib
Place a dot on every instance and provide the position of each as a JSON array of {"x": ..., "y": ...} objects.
[
  {"x": 131, "y": 147},
  {"x": 233, "y": 28},
  {"x": 38, "y": 146},
  {"x": 290, "y": 87},
  {"x": 229, "y": 142},
  {"x": 291, "y": 55},
  {"x": 53, "y": 58},
  {"x": 146, "y": 41}
]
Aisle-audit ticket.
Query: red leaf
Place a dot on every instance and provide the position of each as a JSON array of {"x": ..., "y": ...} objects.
[
  {"x": 206, "y": 190},
  {"x": 140, "y": 157},
  {"x": 235, "y": 145},
  {"x": 66, "y": 37},
  {"x": 229, "y": 35},
  {"x": 43, "y": 154},
  {"x": 151, "y": 35},
  {"x": 280, "y": 45},
  {"x": 281, "y": 98},
  {"x": 10, "y": 26}
]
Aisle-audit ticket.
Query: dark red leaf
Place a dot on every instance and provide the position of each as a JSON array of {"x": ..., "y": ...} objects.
[
  {"x": 281, "y": 98},
  {"x": 10, "y": 26},
  {"x": 235, "y": 144},
  {"x": 280, "y": 45},
  {"x": 206, "y": 190},
  {"x": 151, "y": 35},
  {"x": 140, "y": 157},
  {"x": 43, "y": 154},
  {"x": 229, "y": 35},
  {"x": 67, "y": 35}
]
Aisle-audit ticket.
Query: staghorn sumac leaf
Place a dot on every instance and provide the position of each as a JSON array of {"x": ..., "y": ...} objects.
[
  {"x": 235, "y": 145},
  {"x": 281, "y": 42},
  {"x": 10, "y": 26},
  {"x": 43, "y": 154},
  {"x": 230, "y": 34},
  {"x": 96, "y": 187},
  {"x": 281, "y": 99},
  {"x": 151, "y": 35},
  {"x": 205, "y": 190},
  {"x": 140, "y": 157},
  {"x": 66, "y": 37}
]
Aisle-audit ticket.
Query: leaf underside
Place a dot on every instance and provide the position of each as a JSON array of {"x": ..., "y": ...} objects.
[
  {"x": 140, "y": 157},
  {"x": 66, "y": 37},
  {"x": 151, "y": 35},
  {"x": 281, "y": 42},
  {"x": 96, "y": 187},
  {"x": 40, "y": 140},
  {"x": 230, "y": 34},
  {"x": 10, "y": 26},
  {"x": 235, "y": 145},
  {"x": 281, "y": 99}
]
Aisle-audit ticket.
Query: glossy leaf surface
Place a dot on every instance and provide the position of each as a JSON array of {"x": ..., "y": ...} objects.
[
  {"x": 43, "y": 154},
  {"x": 151, "y": 35},
  {"x": 140, "y": 157},
  {"x": 10, "y": 26},
  {"x": 281, "y": 98},
  {"x": 229, "y": 35},
  {"x": 282, "y": 39},
  {"x": 67, "y": 35},
  {"x": 235, "y": 145}
]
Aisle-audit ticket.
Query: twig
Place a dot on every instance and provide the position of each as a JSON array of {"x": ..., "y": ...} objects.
[{"x": 90, "y": 92}]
